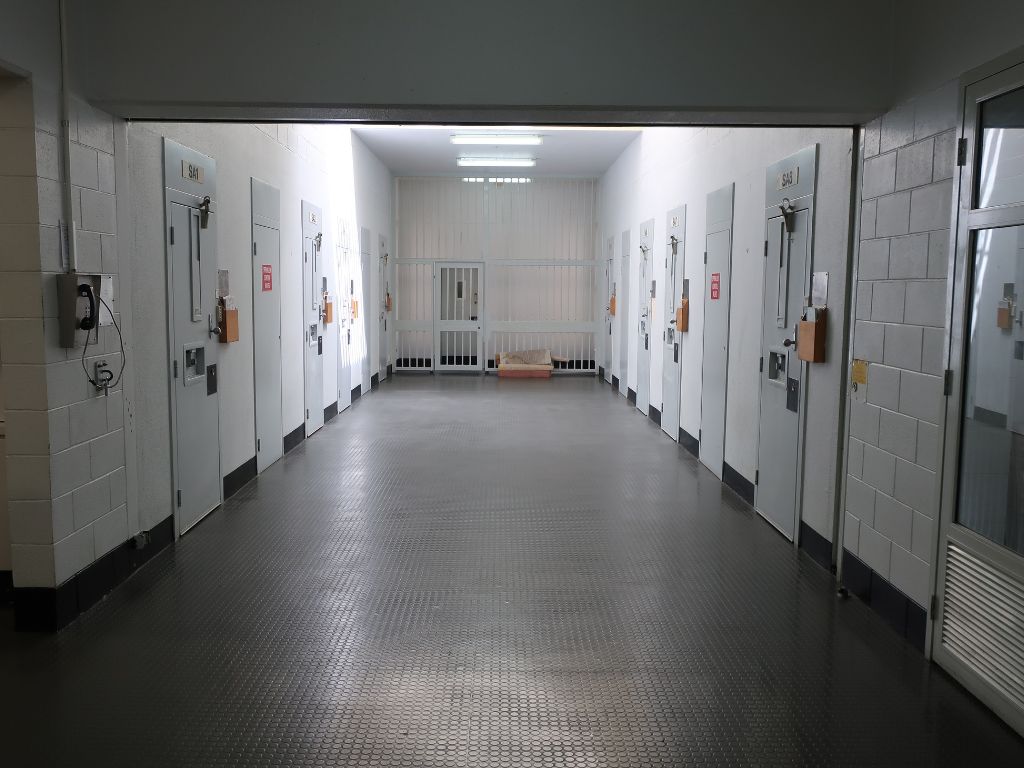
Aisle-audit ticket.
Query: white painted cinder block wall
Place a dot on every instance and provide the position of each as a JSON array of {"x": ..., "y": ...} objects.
[
  {"x": 67, "y": 495},
  {"x": 667, "y": 167},
  {"x": 895, "y": 428}
]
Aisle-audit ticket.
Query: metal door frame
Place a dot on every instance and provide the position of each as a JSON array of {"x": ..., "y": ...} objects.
[
  {"x": 975, "y": 88},
  {"x": 189, "y": 200},
  {"x": 805, "y": 202},
  {"x": 480, "y": 367}
]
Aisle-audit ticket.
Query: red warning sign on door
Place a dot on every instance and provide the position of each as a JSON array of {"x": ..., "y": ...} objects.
[
  {"x": 716, "y": 285},
  {"x": 268, "y": 277}
]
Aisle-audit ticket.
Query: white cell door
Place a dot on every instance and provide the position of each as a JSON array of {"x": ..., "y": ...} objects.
[
  {"x": 458, "y": 322},
  {"x": 782, "y": 372},
  {"x": 266, "y": 329},
  {"x": 645, "y": 305},
  {"x": 609, "y": 319},
  {"x": 384, "y": 283},
  {"x": 193, "y": 265},
  {"x": 715, "y": 369},
  {"x": 622, "y": 312},
  {"x": 312, "y": 312},
  {"x": 671, "y": 366}
]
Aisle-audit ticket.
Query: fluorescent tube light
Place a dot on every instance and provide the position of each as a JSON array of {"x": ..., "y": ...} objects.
[
  {"x": 496, "y": 162},
  {"x": 496, "y": 139}
]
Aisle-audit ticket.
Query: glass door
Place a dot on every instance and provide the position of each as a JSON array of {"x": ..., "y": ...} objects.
[{"x": 979, "y": 631}]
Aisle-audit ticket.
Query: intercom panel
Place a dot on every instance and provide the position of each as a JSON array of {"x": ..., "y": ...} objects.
[{"x": 83, "y": 303}]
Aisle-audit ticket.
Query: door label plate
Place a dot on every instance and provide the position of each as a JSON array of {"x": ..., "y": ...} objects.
[{"x": 192, "y": 172}]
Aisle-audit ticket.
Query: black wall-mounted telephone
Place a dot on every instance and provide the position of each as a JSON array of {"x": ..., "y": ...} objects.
[{"x": 88, "y": 322}]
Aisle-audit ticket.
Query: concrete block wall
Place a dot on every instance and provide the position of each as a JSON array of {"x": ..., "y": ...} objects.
[
  {"x": 65, "y": 440},
  {"x": 891, "y": 512}
]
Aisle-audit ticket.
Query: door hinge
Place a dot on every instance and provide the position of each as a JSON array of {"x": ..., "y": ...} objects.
[
  {"x": 307, "y": 413},
  {"x": 705, "y": 257},
  {"x": 757, "y": 476},
  {"x": 179, "y": 497},
  {"x": 766, "y": 249},
  {"x": 699, "y": 435},
  {"x": 961, "y": 152},
  {"x": 257, "y": 445},
  {"x": 172, "y": 235},
  {"x": 760, "y": 368},
  {"x": 175, "y": 369},
  {"x": 254, "y": 249},
  {"x": 933, "y": 607},
  {"x": 947, "y": 383}
]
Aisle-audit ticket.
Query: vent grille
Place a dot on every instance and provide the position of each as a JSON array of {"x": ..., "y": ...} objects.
[{"x": 983, "y": 621}]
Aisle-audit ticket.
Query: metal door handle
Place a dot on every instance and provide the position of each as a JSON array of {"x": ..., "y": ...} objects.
[{"x": 788, "y": 343}]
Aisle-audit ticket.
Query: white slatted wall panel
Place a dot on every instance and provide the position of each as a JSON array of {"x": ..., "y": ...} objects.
[{"x": 537, "y": 243}]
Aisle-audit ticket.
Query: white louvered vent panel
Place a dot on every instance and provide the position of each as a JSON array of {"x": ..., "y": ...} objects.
[{"x": 983, "y": 621}]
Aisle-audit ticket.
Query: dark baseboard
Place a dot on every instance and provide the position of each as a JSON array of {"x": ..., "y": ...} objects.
[
  {"x": 654, "y": 415},
  {"x": 374, "y": 381},
  {"x": 900, "y": 612},
  {"x": 294, "y": 437},
  {"x": 236, "y": 478},
  {"x": 615, "y": 383},
  {"x": 357, "y": 392},
  {"x": 6, "y": 588},
  {"x": 40, "y": 609},
  {"x": 391, "y": 369},
  {"x": 817, "y": 546},
  {"x": 689, "y": 442},
  {"x": 600, "y": 371},
  {"x": 631, "y": 395},
  {"x": 330, "y": 411},
  {"x": 743, "y": 487},
  {"x": 992, "y": 418}
]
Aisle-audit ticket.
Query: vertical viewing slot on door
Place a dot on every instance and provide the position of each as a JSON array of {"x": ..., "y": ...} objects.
[
  {"x": 195, "y": 268},
  {"x": 782, "y": 292}
]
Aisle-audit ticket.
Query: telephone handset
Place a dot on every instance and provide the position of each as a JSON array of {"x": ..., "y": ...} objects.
[{"x": 88, "y": 322}]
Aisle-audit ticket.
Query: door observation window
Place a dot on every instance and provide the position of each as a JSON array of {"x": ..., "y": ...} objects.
[
  {"x": 1001, "y": 156},
  {"x": 991, "y": 488}
]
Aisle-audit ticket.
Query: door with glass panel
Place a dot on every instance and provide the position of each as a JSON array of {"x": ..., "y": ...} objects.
[
  {"x": 458, "y": 323},
  {"x": 978, "y": 634}
]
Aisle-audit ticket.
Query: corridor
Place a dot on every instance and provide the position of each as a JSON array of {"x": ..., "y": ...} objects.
[{"x": 484, "y": 572}]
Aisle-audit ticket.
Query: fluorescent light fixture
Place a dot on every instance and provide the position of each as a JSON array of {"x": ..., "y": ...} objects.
[
  {"x": 496, "y": 162},
  {"x": 494, "y": 180},
  {"x": 497, "y": 139}
]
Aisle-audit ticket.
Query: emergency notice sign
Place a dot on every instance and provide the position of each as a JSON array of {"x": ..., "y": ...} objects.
[
  {"x": 268, "y": 277},
  {"x": 716, "y": 285}
]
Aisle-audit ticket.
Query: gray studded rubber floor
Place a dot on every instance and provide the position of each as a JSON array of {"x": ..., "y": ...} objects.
[{"x": 479, "y": 572}]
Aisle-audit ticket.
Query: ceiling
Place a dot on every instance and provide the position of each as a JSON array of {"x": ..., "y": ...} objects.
[{"x": 414, "y": 150}]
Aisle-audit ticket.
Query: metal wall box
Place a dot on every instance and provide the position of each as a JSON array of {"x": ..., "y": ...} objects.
[
  {"x": 229, "y": 326},
  {"x": 810, "y": 344},
  {"x": 683, "y": 315}
]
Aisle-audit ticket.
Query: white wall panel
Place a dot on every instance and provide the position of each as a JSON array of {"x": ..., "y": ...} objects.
[{"x": 537, "y": 243}]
